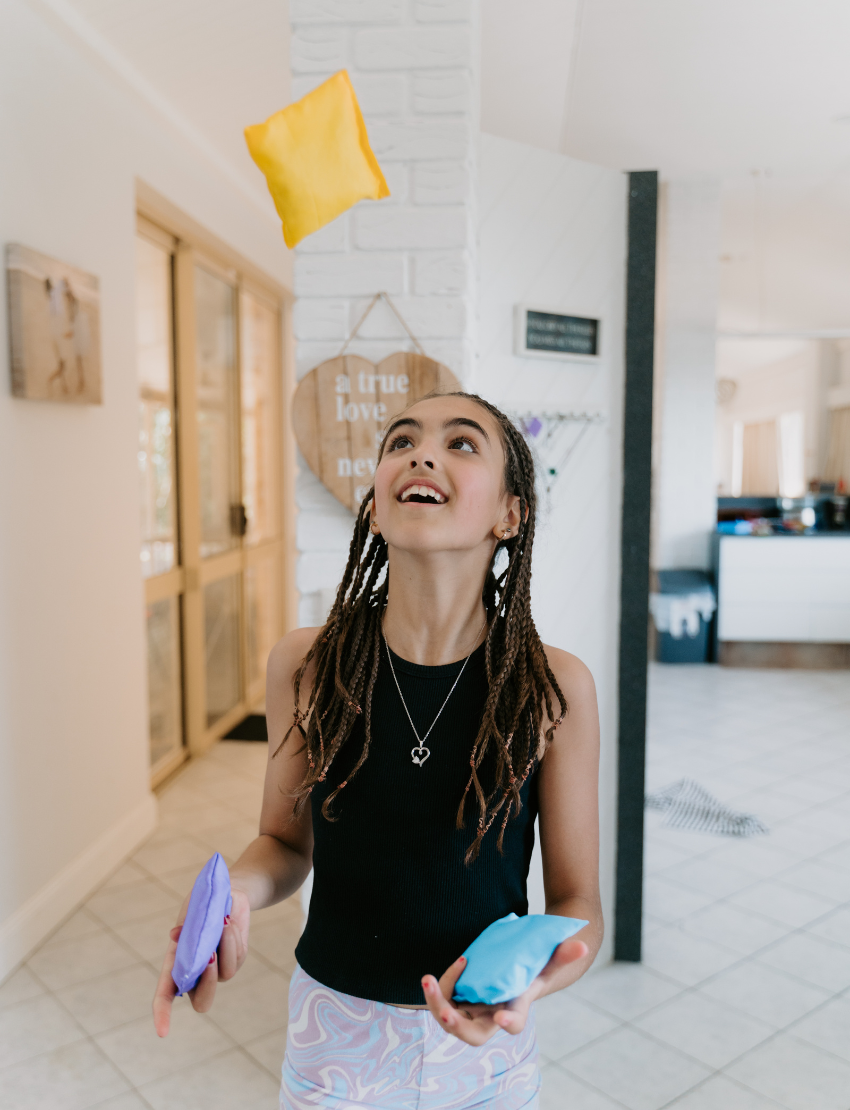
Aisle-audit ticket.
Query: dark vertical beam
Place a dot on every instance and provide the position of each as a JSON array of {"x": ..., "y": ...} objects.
[{"x": 634, "y": 582}]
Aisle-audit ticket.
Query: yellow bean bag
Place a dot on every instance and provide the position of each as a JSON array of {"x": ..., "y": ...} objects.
[{"x": 316, "y": 157}]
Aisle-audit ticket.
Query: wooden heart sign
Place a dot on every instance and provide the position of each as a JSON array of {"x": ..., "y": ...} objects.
[{"x": 342, "y": 407}]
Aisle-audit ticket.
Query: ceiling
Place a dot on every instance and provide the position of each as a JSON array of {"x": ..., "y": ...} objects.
[
  {"x": 753, "y": 92},
  {"x": 785, "y": 255},
  {"x": 689, "y": 87},
  {"x": 219, "y": 64}
]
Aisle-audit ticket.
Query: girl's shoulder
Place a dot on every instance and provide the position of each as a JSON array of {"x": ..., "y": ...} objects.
[
  {"x": 573, "y": 675},
  {"x": 288, "y": 654},
  {"x": 581, "y": 721}
]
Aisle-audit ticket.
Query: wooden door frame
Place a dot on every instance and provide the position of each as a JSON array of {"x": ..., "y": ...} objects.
[{"x": 193, "y": 244}]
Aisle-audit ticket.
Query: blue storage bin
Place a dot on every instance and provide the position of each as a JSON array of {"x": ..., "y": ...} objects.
[{"x": 681, "y": 609}]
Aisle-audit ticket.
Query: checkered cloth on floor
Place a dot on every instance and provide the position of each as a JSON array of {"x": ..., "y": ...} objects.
[{"x": 688, "y": 805}]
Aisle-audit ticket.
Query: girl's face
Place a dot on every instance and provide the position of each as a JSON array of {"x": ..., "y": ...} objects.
[{"x": 439, "y": 485}]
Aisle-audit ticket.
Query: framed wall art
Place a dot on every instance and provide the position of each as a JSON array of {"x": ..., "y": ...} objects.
[{"x": 54, "y": 329}]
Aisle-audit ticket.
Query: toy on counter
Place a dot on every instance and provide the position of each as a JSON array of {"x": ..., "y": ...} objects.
[
  {"x": 209, "y": 904},
  {"x": 316, "y": 157},
  {"x": 508, "y": 956}
]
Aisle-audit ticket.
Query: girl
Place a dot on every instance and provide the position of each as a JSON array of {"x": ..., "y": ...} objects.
[{"x": 424, "y": 728}]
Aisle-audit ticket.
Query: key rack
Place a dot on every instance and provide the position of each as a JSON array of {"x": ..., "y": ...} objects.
[{"x": 553, "y": 438}]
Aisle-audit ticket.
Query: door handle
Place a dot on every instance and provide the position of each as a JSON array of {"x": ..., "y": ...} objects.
[{"x": 238, "y": 520}]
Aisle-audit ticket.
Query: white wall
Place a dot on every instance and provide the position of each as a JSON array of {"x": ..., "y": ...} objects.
[
  {"x": 764, "y": 256},
  {"x": 784, "y": 275},
  {"x": 414, "y": 68},
  {"x": 74, "y": 794},
  {"x": 553, "y": 235},
  {"x": 684, "y": 510},
  {"x": 774, "y": 377},
  {"x": 785, "y": 254}
]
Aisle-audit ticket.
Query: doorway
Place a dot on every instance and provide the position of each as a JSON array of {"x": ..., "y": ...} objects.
[{"x": 213, "y": 468}]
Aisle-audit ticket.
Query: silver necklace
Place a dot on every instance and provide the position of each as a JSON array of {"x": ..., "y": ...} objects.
[{"x": 420, "y": 753}]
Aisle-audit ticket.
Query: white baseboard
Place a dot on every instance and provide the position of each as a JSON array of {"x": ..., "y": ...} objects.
[{"x": 48, "y": 907}]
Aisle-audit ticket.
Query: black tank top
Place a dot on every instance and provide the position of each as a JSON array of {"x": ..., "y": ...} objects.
[{"x": 392, "y": 897}]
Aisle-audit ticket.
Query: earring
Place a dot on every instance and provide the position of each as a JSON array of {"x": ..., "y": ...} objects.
[
  {"x": 505, "y": 533},
  {"x": 374, "y": 529}
]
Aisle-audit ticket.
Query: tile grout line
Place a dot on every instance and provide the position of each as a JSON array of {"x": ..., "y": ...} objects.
[
  {"x": 671, "y": 1105},
  {"x": 590, "y": 1086},
  {"x": 754, "y": 957},
  {"x": 87, "y": 1038},
  {"x": 90, "y": 1037},
  {"x": 751, "y": 957},
  {"x": 139, "y": 962},
  {"x": 790, "y": 930}
]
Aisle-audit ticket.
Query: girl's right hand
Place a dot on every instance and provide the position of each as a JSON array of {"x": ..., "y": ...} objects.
[{"x": 232, "y": 950}]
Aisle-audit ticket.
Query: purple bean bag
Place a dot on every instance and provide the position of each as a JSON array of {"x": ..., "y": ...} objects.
[{"x": 209, "y": 904}]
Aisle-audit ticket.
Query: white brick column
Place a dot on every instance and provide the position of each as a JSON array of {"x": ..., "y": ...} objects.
[{"x": 414, "y": 66}]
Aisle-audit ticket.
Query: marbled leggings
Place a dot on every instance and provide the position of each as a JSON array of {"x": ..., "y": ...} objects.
[{"x": 349, "y": 1053}]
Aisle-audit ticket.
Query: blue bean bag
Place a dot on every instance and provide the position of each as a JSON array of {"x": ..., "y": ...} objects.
[{"x": 504, "y": 960}]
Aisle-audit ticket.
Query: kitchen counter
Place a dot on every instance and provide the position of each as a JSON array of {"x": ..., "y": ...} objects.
[
  {"x": 784, "y": 588},
  {"x": 788, "y": 536}
]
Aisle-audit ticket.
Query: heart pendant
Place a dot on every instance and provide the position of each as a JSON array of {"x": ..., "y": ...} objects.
[{"x": 418, "y": 757}]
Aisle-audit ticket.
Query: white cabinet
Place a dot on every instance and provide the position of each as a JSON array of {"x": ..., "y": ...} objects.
[{"x": 784, "y": 589}]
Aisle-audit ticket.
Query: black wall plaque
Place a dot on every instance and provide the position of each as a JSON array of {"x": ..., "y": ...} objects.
[{"x": 555, "y": 334}]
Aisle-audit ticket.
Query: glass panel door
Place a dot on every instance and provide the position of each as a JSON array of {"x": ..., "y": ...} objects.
[
  {"x": 212, "y": 552},
  {"x": 261, "y": 483},
  {"x": 159, "y": 551},
  {"x": 259, "y": 326},
  {"x": 262, "y": 615},
  {"x": 221, "y": 644},
  {"x": 164, "y": 693},
  {"x": 156, "y": 407},
  {"x": 219, "y": 484},
  {"x": 218, "y": 414}
]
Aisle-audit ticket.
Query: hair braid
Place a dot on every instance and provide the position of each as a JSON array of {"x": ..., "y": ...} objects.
[{"x": 520, "y": 683}]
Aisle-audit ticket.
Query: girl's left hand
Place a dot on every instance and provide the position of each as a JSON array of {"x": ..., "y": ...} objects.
[
  {"x": 229, "y": 957},
  {"x": 476, "y": 1023}
]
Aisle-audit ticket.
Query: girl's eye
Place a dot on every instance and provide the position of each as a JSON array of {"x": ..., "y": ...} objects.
[
  {"x": 462, "y": 444},
  {"x": 399, "y": 441}
]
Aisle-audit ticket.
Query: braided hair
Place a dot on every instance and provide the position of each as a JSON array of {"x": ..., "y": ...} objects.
[{"x": 520, "y": 682}]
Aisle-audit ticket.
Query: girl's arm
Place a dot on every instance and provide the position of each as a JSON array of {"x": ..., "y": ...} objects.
[
  {"x": 569, "y": 840},
  {"x": 569, "y": 821},
  {"x": 275, "y": 865},
  {"x": 277, "y": 862}
]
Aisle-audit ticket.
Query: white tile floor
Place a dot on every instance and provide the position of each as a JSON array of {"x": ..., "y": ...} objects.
[
  {"x": 743, "y": 999},
  {"x": 75, "y": 1027},
  {"x": 742, "y": 1002}
]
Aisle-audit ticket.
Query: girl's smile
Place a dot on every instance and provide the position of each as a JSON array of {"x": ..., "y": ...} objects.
[
  {"x": 422, "y": 491},
  {"x": 442, "y": 461}
]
